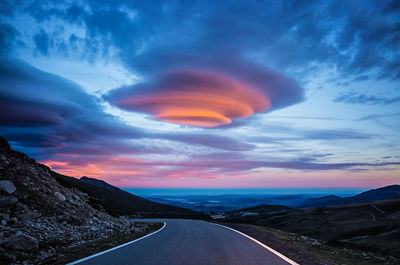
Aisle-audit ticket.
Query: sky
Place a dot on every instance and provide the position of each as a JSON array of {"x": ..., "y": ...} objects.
[{"x": 205, "y": 94}]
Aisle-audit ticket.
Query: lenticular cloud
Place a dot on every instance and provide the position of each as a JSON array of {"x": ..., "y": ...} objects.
[{"x": 196, "y": 98}]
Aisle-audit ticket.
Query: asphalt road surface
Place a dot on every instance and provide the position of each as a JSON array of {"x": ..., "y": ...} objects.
[{"x": 187, "y": 242}]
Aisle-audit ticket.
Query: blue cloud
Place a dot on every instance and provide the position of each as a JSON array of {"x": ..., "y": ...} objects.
[
  {"x": 38, "y": 109},
  {"x": 364, "y": 99},
  {"x": 356, "y": 37},
  {"x": 42, "y": 42}
]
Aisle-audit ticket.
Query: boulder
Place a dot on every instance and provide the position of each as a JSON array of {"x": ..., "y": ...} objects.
[
  {"x": 22, "y": 242},
  {"x": 59, "y": 196},
  {"x": 8, "y": 200},
  {"x": 7, "y": 186}
]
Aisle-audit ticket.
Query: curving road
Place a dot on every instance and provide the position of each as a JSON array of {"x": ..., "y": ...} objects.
[{"x": 189, "y": 242}]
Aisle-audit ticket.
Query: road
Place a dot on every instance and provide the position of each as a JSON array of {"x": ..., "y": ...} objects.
[{"x": 189, "y": 242}]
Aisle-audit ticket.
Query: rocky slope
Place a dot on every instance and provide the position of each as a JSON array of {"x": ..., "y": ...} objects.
[{"x": 40, "y": 217}]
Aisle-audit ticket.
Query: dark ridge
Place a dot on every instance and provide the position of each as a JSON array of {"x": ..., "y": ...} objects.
[
  {"x": 98, "y": 182},
  {"x": 119, "y": 202},
  {"x": 4, "y": 142},
  {"x": 264, "y": 208},
  {"x": 315, "y": 202},
  {"x": 384, "y": 193}
]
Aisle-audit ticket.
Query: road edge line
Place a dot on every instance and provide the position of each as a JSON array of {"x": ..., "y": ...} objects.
[
  {"x": 114, "y": 248},
  {"x": 261, "y": 244}
]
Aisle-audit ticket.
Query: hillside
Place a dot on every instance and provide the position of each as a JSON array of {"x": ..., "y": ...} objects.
[
  {"x": 265, "y": 208},
  {"x": 43, "y": 213},
  {"x": 366, "y": 226},
  {"x": 384, "y": 193},
  {"x": 119, "y": 202},
  {"x": 40, "y": 217}
]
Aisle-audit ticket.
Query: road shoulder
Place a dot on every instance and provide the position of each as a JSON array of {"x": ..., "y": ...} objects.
[{"x": 100, "y": 246}]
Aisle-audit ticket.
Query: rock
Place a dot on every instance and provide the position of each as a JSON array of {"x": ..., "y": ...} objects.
[
  {"x": 33, "y": 215},
  {"x": 4, "y": 143},
  {"x": 9, "y": 257},
  {"x": 8, "y": 200},
  {"x": 59, "y": 196},
  {"x": 5, "y": 216},
  {"x": 3, "y": 222},
  {"x": 22, "y": 242},
  {"x": 395, "y": 215},
  {"x": 7, "y": 186}
]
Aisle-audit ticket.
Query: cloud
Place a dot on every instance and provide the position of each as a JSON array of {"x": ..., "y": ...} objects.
[
  {"x": 335, "y": 135},
  {"x": 42, "y": 42},
  {"x": 361, "y": 98},
  {"x": 352, "y": 36},
  {"x": 8, "y": 39},
  {"x": 378, "y": 116},
  {"x": 234, "y": 163},
  {"x": 210, "y": 140},
  {"x": 19, "y": 112},
  {"x": 42, "y": 110},
  {"x": 38, "y": 109},
  {"x": 214, "y": 64},
  {"x": 126, "y": 171},
  {"x": 208, "y": 99}
]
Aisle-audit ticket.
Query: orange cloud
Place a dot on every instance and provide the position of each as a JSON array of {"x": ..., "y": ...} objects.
[{"x": 197, "y": 98}]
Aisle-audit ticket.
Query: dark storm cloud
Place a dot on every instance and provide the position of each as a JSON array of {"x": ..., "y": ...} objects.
[
  {"x": 364, "y": 99},
  {"x": 43, "y": 110}
]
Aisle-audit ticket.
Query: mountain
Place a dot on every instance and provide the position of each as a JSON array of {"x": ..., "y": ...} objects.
[
  {"x": 119, "y": 202},
  {"x": 322, "y": 201},
  {"x": 98, "y": 182},
  {"x": 384, "y": 193},
  {"x": 388, "y": 192}
]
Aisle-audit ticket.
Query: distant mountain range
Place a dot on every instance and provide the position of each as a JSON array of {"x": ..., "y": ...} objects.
[
  {"x": 388, "y": 192},
  {"x": 230, "y": 202}
]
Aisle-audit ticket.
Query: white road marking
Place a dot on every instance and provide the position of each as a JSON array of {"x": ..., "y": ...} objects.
[
  {"x": 263, "y": 245},
  {"x": 120, "y": 246}
]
